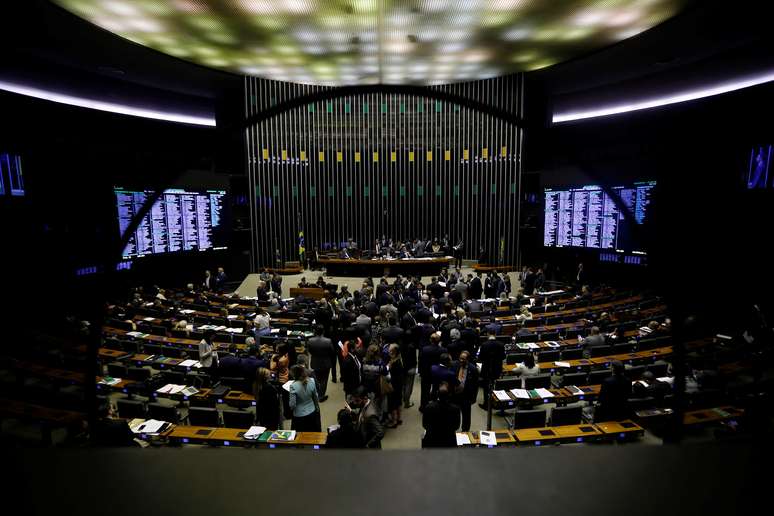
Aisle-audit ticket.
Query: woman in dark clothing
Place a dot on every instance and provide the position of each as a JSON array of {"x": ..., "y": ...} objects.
[
  {"x": 267, "y": 400},
  {"x": 397, "y": 379}
]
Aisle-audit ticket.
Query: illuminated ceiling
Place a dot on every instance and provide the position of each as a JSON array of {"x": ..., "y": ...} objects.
[{"x": 343, "y": 42}]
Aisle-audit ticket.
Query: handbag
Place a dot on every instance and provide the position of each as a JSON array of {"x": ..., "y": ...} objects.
[{"x": 385, "y": 387}]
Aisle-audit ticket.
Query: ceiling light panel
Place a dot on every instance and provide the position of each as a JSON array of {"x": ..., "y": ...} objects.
[{"x": 391, "y": 41}]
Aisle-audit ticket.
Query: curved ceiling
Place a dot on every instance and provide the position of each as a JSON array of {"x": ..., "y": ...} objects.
[{"x": 349, "y": 42}]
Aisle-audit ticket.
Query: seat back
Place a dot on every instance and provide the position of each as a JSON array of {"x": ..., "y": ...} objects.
[
  {"x": 566, "y": 415},
  {"x": 575, "y": 379},
  {"x": 117, "y": 370},
  {"x": 130, "y": 409},
  {"x": 164, "y": 412},
  {"x": 506, "y": 384},
  {"x": 515, "y": 358},
  {"x": 529, "y": 419},
  {"x": 201, "y": 416},
  {"x": 539, "y": 381},
  {"x": 238, "y": 419},
  {"x": 548, "y": 356},
  {"x": 138, "y": 374},
  {"x": 601, "y": 351},
  {"x": 572, "y": 354},
  {"x": 597, "y": 377}
]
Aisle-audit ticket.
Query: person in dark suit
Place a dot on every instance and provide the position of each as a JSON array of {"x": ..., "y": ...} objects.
[
  {"x": 350, "y": 368},
  {"x": 220, "y": 280},
  {"x": 441, "y": 419},
  {"x": 429, "y": 355},
  {"x": 540, "y": 280},
  {"x": 476, "y": 288},
  {"x": 613, "y": 401},
  {"x": 594, "y": 340},
  {"x": 346, "y": 435},
  {"x": 323, "y": 354},
  {"x": 466, "y": 392},
  {"x": 529, "y": 282},
  {"x": 268, "y": 400},
  {"x": 490, "y": 290},
  {"x": 442, "y": 373},
  {"x": 108, "y": 431},
  {"x": 491, "y": 355}
]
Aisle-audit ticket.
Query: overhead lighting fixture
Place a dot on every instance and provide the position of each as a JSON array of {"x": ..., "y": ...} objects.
[
  {"x": 675, "y": 98},
  {"x": 100, "y": 105}
]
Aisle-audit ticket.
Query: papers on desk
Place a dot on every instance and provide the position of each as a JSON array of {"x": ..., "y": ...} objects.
[
  {"x": 462, "y": 439},
  {"x": 231, "y": 316},
  {"x": 187, "y": 311},
  {"x": 574, "y": 390},
  {"x": 148, "y": 304},
  {"x": 544, "y": 393},
  {"x": 189, "y": 391},
  {"x": 254, "y": 432},
  {"x": 171, "y": 388},
  {"x": 488, "y": 438},
  {"x": 286, "y": 385},
  {"x": 188, "y": 363},
  {"x": 479, "y": 365},
  {"x": 521, "y": 394},
  {"x": 551, "y": 292},
  {"x": 562, "y": 364},
  {"x": 274, "y": 330},
  {"x": 532, "y": 345},
  {"x": 553, "y": 344},
  {"x": 136, "y": 334},
  {"x": 287, "y": 299},
  {"x": 233, "y": 305},
  {"x": 502, "y": 396},
  {"x": 107, "y": 380},
  {"x": 148, "y": 318},
  {"x": 283, "y": 435},
  {"x": 149, "y": 426},
  {"x": 443, "y": 284},
  {"x": 645, "y": 331},
  {"x": 667, "y": 379},
  {"x": 234, "y": 330}
]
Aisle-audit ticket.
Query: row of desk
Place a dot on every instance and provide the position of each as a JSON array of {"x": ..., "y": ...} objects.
[
  {"x": 586, "y": 364},
  {"x": 605, "y": 431}
]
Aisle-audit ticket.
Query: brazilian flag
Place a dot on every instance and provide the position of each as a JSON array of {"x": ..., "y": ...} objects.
[{"x": 301, "y": 246}]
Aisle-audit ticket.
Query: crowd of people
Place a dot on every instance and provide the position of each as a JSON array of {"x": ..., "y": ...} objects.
[{"x": 376, "y": 340}]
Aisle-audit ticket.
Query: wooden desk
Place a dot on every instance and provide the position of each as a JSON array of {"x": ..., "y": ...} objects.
[
  {"x": 120, "y": 386},
  {"x": 182, "y": 434},
  {"x": 381, "y": 267},
  {"x": 621, "y": 430},
  {"x": 560, "y": 397},
  {"x": 503, "y": 437},
  {"x": 239, "y": 399},
  {"x": 39, "y": 413},
  {"x": 309, "y": 293},
  {"x": 557, "y": 434},
  {"x": 111, "y": 354},
  {"x": 711, "y": 415}
]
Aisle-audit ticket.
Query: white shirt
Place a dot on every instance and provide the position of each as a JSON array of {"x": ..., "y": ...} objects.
[
  {"x": 262, "y": 321},
  {"x": 524, "y": 371}
]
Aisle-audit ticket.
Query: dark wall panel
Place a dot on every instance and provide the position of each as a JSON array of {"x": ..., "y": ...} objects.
[{"x": 403, "y": 165}]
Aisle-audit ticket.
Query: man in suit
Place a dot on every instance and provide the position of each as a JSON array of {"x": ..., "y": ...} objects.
[
  {"x": 476, "y": 288},
  {"x": 613, "y": 401},
  {"x": 442, "y": 373},
  {"x": 529, "y": 282},
  {"x": 540, "y": 280},
  {"x": 594, "y": 340},
  {"x": 220, "y": 280},
  {"x": 429, "y": 355},
  {"x": 393, "y": 334},
  {"x": 490, "y": 291},
  {"x": 491, "y": 355},
  {"x": 441, "y": 420},
  {"x": 323, "y": 354},
  {"x": 466, "y": 391}
]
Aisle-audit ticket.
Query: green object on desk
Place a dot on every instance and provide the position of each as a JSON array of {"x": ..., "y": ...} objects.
[{"x": 264, "y": 436}]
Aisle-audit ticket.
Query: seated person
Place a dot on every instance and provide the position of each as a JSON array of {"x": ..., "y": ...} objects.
[
  {"x": 526, "y": 368},
  {"x": 110, "y": 431},
  {"x": 648, "y": 387},
  {"x": 594, "y": 340},
  {"x": 303, "y": 283},
  {"x": 346, "y": 435}
]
